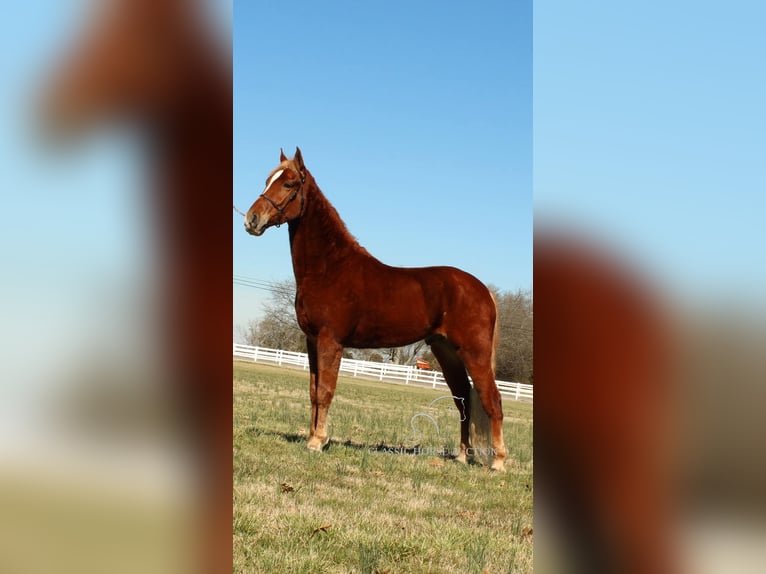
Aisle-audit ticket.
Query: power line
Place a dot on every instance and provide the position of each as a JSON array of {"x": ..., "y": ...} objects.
[{"x": 270, "y": 286}]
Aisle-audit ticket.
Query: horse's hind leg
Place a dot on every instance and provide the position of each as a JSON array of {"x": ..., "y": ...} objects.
[
  {"x": 457, "y": 380},
  {"x": 324, "y": 363},
  {"x": 479, "y": 365}
]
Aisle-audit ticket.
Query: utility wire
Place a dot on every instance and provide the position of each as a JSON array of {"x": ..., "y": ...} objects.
[{"x": 270, "y": 286}]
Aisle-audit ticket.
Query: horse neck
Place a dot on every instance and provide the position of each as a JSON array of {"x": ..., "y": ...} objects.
[
  {"x": 319, "y": 240},
  {"x": 194, "y": 167}
]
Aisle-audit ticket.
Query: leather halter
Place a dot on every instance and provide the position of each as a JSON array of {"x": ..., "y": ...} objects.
[{"x": 281, "y": 209}]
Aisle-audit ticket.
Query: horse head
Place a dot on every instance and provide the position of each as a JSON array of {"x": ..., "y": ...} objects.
[
  {"x": 282, "y": 199},
  {"x": 134, "y": 61}
]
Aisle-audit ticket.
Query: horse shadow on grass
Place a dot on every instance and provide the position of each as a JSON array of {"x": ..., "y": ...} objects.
[
  {"x": 413, "y": 448},
  {"x": 380, "y": 447}
]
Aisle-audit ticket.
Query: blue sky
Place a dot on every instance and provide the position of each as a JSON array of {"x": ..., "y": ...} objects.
[
  {"x": 75, "y": 247},
  {"x": 650, "y": 133},
  {"x": 649, "y": 123},
  {"x": 414, "y": 118}
]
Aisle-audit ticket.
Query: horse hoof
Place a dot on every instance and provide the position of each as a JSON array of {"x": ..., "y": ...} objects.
[
  {"x": 461, "y": 458},
  {"x": 317, "y": 444}
]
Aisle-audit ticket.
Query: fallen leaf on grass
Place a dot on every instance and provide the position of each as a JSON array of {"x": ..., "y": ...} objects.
[
  {"x": 284, "y": 487},
  {"x": 377, "y": 473},
  {"x": 526, "y": 532},
  {"x": 466, "y": 514},
  {"x": 322, "y": 528},
  {"x": 437, "y": 462}
]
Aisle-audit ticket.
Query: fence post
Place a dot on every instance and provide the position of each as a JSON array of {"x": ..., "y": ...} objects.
[
  {"x": 382, "y": 370},
  {"x": 255, "y": 355},
  {"x": 517, "y": 391}
]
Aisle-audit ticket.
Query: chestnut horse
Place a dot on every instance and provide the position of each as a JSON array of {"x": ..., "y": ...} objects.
[{"x": 346, "y": 297}]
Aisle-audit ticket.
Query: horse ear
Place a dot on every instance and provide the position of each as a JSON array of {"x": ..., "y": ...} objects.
[
  {"x": 282, "y": 156},
  {"x": 298, "y": 159}
]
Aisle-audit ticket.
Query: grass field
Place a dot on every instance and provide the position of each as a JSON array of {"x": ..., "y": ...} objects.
[{"x": 362, "y": 505}]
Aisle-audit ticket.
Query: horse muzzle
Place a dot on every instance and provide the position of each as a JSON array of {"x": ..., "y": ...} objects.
[{"x": 255, "y": 225}]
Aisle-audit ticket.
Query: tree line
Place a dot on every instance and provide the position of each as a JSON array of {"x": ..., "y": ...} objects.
[{"x": 278, "y": 329}]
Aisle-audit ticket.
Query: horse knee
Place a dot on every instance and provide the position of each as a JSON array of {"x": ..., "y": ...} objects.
[{"x": 324, "y": 397}]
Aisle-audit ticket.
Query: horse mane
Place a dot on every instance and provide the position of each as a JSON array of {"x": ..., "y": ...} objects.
[{"x": 339, "y": 240}]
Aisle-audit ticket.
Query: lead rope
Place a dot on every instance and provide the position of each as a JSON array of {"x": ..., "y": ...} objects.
[{"x": 238, "y": 211}]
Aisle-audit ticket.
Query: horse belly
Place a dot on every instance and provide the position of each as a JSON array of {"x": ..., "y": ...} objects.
[
  {"x": 374, "y": 339},
  {"x": 389, "y": 326}
]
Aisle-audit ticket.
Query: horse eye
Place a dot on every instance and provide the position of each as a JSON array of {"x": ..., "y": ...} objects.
[{"x": 290, "y": 184}]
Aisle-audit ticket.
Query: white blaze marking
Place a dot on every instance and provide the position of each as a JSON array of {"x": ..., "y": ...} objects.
[{"x": 273, "y": 178}]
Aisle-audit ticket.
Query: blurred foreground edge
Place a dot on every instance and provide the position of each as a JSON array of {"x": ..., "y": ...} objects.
[
  {"x": 155, "y": 66},
  {"x": 602, "y": 431}
]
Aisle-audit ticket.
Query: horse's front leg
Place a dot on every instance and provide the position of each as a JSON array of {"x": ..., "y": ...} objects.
[{"x": 324, "y": 363}]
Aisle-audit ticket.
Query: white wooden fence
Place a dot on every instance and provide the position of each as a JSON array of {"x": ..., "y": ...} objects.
[{"x": 371, "y": 370}]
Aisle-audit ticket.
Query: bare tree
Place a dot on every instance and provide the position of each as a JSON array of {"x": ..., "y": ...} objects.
[
  {"x": 406, "y": 355},
  {"x": 278, "y": 328},
  {"x": 398, "y": 355},
  {"x": 514, "y": 352},
  {"x": 249, "y": 333}
]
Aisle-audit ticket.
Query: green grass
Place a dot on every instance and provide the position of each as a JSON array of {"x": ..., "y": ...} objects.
[{"x": 356, "y": 507}]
